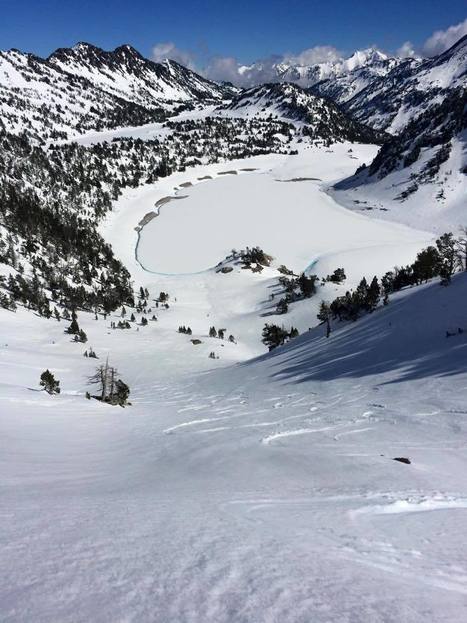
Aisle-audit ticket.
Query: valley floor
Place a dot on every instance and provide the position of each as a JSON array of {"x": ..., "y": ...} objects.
[{"x": 241, "y": 490}]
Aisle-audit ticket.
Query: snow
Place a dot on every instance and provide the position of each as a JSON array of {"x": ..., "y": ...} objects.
[
  {"x": 253, "y": 490},
  {"x": 424, "y": 208},
  {"x": 289, "y": 220}
]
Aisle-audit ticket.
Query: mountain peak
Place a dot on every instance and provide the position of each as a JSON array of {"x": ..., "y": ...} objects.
[{"x": 127, "y": 50}]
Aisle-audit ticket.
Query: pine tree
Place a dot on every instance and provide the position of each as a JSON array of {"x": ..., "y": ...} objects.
[
  {"x": 273, "y": 335},
  {"x": 122, "y": 392},
  {"x": 427, "y": 264},
  {"x": 49, "y": 383},
  {"x": 73, "y": 329},
  {"x": 446, "y": 246},
  {"x": 307, "y": 285},
  {"x": 361, "y": 293},
  {"x": 324, "y": 316},
  {"x": 282, "y": 306},
  {"x": 373, "y": 295}
]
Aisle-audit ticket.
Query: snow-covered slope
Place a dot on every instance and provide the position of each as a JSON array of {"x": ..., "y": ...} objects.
[
  {"x": 390, "y": 102},
  {"x": 85, "y": 88},
  {"x": 343, "y": 87},
  {"x": 419, "y": 177},
  {"x": 320, "y": 118},
  {"x": 261, "y": 492},
  {"x": 124, "y": 72}
]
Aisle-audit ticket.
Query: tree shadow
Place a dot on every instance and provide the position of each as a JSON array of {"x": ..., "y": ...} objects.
[{"x": 404, "y": 341}]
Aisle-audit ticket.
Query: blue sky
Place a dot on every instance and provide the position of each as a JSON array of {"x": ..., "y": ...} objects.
[{"x": 246, "y": 30}]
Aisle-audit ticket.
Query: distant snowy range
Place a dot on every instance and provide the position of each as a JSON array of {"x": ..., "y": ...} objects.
[{"x": 233, "y": 340}]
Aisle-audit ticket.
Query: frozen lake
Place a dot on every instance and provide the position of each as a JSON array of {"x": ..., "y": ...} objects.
[{"x": 296, "y": 222}]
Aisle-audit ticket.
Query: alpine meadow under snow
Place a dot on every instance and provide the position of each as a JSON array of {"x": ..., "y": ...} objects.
[{"x": 233, "y": 340}]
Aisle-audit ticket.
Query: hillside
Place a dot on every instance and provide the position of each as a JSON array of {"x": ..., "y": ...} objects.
[
  {"x": 305, "y": 438},
  {"x": 419, "y": 176},
  {"x": 86, "y": 88},
  {"x": 391, "y": 101},
  {"x": 319, "y": 118}
]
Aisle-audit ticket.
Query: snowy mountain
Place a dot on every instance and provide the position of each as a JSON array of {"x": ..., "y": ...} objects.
[
  {"x": 125, "y": 73},
  {"x": 307, "y": 75},
  {"x": 85, "y": 88},
  {"x": 319, "y": 118},
  {"x": 391, "y": 101},
  {"x": 421, "y": 173},
  {"x": 343, "y": 87}
]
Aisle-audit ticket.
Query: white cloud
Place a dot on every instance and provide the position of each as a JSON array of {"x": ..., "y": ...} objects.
[
  {"x": 223, "y": 68},
  {"x": 441, "y": 40},
  {"x": 312, "y": 56},
  {"x": 228, "y": 68},
  {"x": 167, "y": 49},
  {"x": 407, "y": 49}
]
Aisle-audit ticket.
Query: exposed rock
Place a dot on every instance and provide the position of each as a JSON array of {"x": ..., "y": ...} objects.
[{"x": 402, "y": 459}]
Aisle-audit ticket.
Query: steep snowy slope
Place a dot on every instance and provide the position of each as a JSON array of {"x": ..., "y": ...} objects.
[
  {"x": 321, "y": 119},
  {"x": 419, "y": 177},
  {"x": 392, "y": 101},
  {"x": 264, "y": 492}
]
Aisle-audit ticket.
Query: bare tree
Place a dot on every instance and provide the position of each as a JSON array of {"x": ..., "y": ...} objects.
[
  {"x": 112, "y": 389},
  {"x": 101, "y": 378}
]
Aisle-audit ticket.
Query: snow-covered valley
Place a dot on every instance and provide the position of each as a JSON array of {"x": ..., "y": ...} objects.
[{"x": 256, "y": 487}]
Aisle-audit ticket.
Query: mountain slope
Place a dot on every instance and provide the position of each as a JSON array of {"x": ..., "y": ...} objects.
[
  {"x": 125, "y": 73},
  {"x": 237, "y": 493},
  {"x": 390, "y": 102},
  {"x": 319, "y": 118},
  {"x": 420, "y": 175},
  {"x": 344, "y": 87},
  {"x": 85, "y": 88}
]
